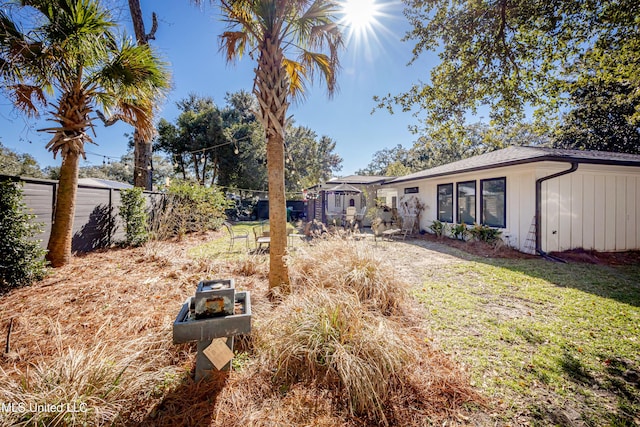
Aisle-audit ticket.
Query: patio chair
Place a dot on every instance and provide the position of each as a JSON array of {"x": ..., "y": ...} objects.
[
  {"x": 360, "y": 216},
  {"x": 261, "y": 234},
  {"x": 408, "y": 223},
  {"x": 350, "y": 217},
  {"x": 235, "y": 236}
]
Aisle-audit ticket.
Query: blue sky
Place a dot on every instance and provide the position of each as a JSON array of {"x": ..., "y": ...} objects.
[{"x": 187, "y": 38}]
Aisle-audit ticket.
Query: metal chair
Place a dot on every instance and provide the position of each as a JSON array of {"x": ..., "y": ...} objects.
[{"x": 235, "y": 236}]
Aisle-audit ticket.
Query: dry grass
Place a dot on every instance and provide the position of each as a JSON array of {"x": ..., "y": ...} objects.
[
  {"x": 352, "y": 266},
  {"x": 98, "y": 332}
]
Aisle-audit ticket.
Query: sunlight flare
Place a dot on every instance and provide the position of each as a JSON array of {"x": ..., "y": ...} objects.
[{"x": 360, "y": 15}]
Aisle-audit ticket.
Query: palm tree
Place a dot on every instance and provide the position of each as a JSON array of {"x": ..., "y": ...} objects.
[
  {"x": 72, "y": 61},
  {"x": 292, "y": 39}
]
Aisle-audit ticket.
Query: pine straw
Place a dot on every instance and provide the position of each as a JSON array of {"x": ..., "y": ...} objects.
[{"x": 98, "y": 331}]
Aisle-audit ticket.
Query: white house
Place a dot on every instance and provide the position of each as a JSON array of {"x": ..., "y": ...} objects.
[{"x": 542, "y": 199}]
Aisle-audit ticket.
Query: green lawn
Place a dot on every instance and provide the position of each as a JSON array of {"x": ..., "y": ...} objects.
[{"x": 547, "y": 343}]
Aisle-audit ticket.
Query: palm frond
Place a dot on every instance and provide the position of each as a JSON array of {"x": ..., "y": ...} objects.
[
  {"x": 27, "y": 97},
  {"x": 297, "y": 73},
  {"x": 233, "y": 44}
]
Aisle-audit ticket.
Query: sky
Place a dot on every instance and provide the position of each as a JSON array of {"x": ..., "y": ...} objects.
[{"x": 187, "y": 38}]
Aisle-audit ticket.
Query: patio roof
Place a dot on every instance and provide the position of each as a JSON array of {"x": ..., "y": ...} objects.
[{"x": 343, "y": 188}]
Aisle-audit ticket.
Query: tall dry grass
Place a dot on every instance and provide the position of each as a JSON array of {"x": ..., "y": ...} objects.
[
  {"x": 88, "y": 384},
  {"x": 352, "y": 266},
  {"x": 328, "y": 338}
]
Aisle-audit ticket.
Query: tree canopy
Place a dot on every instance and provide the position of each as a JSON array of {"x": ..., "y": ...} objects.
[{"x": 512, "y": 55}]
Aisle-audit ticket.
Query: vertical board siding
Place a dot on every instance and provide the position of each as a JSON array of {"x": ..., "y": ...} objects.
[
  {"x": 632, "y": 212},
  {"x": 621, "y": 213},
  {"x": 592, "y": 209},
  {"x": 40, "y": 204},
  {"x": 566, "y": 209},
  {"x": 96, "y": 222},
  {"x": 610, "y": 213},
  {"x": 588, "y": 212},
  {"x": 577, "y": 212},
  {"x": 599, "y": 209}
]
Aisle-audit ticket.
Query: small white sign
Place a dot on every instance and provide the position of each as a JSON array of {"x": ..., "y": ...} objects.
[{"x": 219, "y": 353}]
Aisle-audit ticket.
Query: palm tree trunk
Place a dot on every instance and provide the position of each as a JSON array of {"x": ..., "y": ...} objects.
[
  {"x": 143, "y": 149},
  {"x": 143, "y": 175},
  {"x": 59, "y": 245},
  {"x": 272, "y": 90}
]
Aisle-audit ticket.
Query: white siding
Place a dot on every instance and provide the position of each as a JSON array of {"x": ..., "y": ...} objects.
[
  {"x": 520, "y": 199},
  {"x": 595, "y": 207}
]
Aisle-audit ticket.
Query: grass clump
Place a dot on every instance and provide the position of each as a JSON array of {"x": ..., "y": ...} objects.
[
  {"x": 327, "y": 338},
  {"x": 350, "y": 266}
]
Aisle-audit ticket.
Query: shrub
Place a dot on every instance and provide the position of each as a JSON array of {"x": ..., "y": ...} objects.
[
  {"x": 189, "y": 207},
  {"x": 484, "y": 233},
  {"x": 21, "y": 257},
  {"x": 459, "y": 231},
  {"x": 438, "y": 227},
  {"x": 134, "y": 215}
]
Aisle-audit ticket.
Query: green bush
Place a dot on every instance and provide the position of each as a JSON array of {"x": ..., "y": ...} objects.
[
  {"x": 189, "y": 207},
  {"x": 459, "y": 231},
  {"x": 134, "y": 214},
  {"x": 21, "y": 257},
  {"x": 484, "y": 233},
  {"x": 439, "y": 228}
]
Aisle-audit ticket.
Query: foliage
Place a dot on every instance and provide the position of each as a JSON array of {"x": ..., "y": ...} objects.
[
  {"x": 438, "y": 228},
  {"x": 14, "y": 164},
  {"x": 134, "y": 214},
  {"x": 188, "y": 207},
  {"x": 386, "y": 161},
  {"x": 309, "y": 158},
  {"x": 494, "y": 54},
  {"x": 70, "y": 49},
  {"x": 601, "y": 119},
  {"x": 459, "y": 231},
  {"x": 21, "y": 257},
  {"x": 484, "y": 233},
  {"x": 197, "y": 141}
]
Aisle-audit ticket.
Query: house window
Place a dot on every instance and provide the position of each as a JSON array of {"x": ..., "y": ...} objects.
[
  {"x": 493, "y": 203},
  {"x": 411, "y": 190},
  {"x": 466, "y": 202},
  {"x": 445, "y": 202},
  {"x": 337, "y": 199}
]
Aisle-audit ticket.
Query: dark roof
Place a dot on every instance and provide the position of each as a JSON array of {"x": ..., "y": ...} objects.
[{"x": 516, "y": 155}]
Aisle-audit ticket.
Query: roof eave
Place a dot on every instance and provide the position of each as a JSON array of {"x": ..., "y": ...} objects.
[{"x": 549, "y": 158}]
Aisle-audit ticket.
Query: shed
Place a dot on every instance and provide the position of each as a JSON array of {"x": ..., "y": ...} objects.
[{"x": 542, "y": 199}]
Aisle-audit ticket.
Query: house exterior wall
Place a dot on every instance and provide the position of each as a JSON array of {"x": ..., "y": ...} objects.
[{"x": 596, "y": 207}]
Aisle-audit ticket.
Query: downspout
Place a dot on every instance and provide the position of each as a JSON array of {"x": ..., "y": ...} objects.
[{"x": 573, "y": 168}]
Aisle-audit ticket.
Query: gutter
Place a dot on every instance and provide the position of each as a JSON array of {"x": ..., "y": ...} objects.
[{"x": 539, "y": 181}]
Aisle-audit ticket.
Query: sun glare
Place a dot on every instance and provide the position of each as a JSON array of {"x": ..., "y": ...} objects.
[{"x": 359, "y": 16}]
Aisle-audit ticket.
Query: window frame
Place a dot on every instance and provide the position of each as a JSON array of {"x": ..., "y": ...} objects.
[
  {"x": 504, "y": 210},
  {"x": 411, "y": 190},
  {"x": 475, "y": 201},
  {"x": 450, "y": 184}
]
